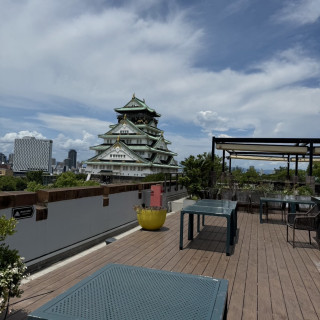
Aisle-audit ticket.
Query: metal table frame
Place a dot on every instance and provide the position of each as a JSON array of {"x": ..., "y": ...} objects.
[
  {"x": 219, "y": 204},
  {"x": 209, "y": 210},
  {"x": 127, "y": 292},
  {"x": 292, "y": 204}
]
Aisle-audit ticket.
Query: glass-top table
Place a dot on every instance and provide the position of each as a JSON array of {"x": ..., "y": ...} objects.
[{"x": 291, "y": 202}]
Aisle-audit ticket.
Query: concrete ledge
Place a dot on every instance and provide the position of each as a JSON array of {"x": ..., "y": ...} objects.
[{"x": 177, "y": 205}]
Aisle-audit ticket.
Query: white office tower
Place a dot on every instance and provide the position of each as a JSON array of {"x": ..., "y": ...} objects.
[{"x": 31, "y": 154}]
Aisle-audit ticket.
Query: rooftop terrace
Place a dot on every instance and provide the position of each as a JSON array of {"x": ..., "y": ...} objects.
[{"x": 268, "y": 278}]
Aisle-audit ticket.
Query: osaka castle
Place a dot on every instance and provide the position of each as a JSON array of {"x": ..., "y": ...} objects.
[{"x": 134, "y": 147}]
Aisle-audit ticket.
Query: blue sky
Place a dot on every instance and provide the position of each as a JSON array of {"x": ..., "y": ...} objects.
[{"x": 245, "y": 68}]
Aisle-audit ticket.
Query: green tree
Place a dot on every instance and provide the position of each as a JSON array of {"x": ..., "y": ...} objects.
[
  {"x": 8, "y": 183},
  {"x": 69, "y": 179},
  {"x": 35, "y": 176},
  {"x": 251, "y": 175},
  {"x": 33, "y": 186},
  {"x": 315, "y": 171},
  {"x": 197, "y": 172},
  {"x": 21, "y": 183},
  {"x": 239, "y": 175},
  {"x": 154, "y": 177}
]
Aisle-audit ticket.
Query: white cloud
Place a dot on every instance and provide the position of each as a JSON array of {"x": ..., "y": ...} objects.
[
  {"x": 211, "y": 118},
  {"x": 84, "y": 55},
  {"x": 73, "y": 125},
  {"x": 98, "y": 55},
  {"x": 62, "y": 144},
  {"x": 7, "y": 141},
  {"x": 185, "y": 146},
  {"x": 299, "y": 12}
]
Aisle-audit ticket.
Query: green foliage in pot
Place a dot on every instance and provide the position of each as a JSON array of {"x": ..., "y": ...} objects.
[
  {"x": 304, "y": 191},
  {"x": 12, "y": 267}
]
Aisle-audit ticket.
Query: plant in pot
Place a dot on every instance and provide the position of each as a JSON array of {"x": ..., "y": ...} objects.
[
  {"x": 12, "y": 267},
  {"x": 151, "y": 218}
]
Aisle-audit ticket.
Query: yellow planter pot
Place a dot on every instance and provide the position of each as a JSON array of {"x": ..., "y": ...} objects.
[{"x": 151, "y": 219}]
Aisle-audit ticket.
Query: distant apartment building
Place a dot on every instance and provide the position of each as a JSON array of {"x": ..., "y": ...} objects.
[
  {"x": 31, "y": 154},
  {"x": 5, "y": 170},
  {"x": 72, "y": 155}
]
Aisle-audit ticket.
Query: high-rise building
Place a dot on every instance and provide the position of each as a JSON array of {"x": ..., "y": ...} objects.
[
  {"x": 72, "y": 155},
  {"x": 10, "y": 161},
  {"x": 135, "y": 146},
  {"x": 3, "y": 158},
  {"x": 31, "y": 154}
]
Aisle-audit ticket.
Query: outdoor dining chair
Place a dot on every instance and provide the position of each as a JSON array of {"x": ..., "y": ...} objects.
[
  {"x": 308, "y": 221},
  {"x": 275, "y": 206}
]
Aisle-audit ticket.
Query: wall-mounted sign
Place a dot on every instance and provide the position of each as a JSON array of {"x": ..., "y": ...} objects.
[{"x": 22, "y": 212}]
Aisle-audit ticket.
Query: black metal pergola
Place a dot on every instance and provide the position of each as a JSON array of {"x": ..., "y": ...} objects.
[{"x": 289, "y": 150}]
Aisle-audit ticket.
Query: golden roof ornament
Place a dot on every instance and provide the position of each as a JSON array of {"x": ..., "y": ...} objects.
[
  {"x": 133, "y": 96},
  {"x": 125, "y": 117},
  {"x": 118, "y": 139}
]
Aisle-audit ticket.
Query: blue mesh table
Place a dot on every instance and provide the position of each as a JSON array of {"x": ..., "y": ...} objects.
[
  {"x": 126, "y": 292},
  {"x": 198, "y": 210}
]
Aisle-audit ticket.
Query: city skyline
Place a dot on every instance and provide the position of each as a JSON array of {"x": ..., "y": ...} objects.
[{"x": 244, "y": 68}]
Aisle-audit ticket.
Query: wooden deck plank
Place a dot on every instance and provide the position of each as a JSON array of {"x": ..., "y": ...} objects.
[
  {"x": 251, "y": 294},
  {"x": 238, "y": 291},
  {"x": 308, "y": 273},
  {"x": 268, "y": 279},
  {"x": 234, "y": 259},
  {"x": 290, "y": 298}
]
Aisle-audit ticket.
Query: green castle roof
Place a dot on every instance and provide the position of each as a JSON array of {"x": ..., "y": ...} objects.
[{"x": 136, "y": 104}]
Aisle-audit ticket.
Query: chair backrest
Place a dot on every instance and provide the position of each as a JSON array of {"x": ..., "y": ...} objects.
[
  {"x": 256, "y": 195},
  {"x": 242, "y": 195},
  {"x": 314, "y": 211}
]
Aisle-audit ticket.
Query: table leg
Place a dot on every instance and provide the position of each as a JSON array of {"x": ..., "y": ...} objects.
[
  {"x": 232, "y": 231},
  {"x": 292, "y": 207},
  {"x": 228, "y": 240},
  {"x": 181, "y": 230},
  {"x": 261, "y": 209},
  {"x": 190, "y": 227},
  {"x": 198, "y": 223}
]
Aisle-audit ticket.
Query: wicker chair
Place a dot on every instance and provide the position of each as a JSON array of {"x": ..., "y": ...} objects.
[{"x": 308, "y": 221}]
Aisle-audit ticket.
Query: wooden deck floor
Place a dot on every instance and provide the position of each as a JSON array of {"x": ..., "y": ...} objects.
[{"x": 268, "y": 279}]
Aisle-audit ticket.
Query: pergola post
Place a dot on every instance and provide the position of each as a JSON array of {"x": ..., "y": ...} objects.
[
  {"x": 223, "y": 159},
  {"x": 288, "y": 168},
  {"x": 310, "y": 158},
  {"x": 213, "y": 173}
]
